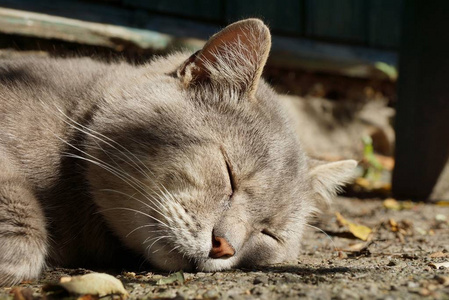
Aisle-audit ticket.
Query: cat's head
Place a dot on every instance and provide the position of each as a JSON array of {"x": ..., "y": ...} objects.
[{"x": 200, "y": 166}]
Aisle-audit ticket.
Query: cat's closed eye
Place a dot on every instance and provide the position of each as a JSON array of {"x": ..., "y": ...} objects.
[{"x": 270, "y": 234}]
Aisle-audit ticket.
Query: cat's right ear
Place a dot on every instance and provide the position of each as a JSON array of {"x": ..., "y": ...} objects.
[
  {"x": 232, "y": 58},
  {"x": 328, "y": 177}
]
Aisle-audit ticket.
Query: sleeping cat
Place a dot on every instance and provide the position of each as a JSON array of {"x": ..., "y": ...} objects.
[{"x": 188, "y": 162}]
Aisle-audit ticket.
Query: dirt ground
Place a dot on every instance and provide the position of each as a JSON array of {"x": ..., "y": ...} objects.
[{"x": 397, "y": 262}]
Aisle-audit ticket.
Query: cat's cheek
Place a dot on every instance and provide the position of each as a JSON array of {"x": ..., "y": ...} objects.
[
  {"x": 263, "y": 250},
  {"x": 169, "y": 261}
]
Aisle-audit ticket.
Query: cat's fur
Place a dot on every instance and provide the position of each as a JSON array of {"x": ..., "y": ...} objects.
[{"x": 103, "y": 163}]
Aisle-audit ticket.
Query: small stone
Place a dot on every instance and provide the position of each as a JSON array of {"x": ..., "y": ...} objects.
[
  {"x": 444, "y": 280},
  {"x": 392, "y": 263},
  {"x": 211, "y": 294},
  {"x": 424, "y": 292},
  {"x": 291, "y": 278},
  {"x": 261, "y": 280},
  {"x": 257, "y": 290}
]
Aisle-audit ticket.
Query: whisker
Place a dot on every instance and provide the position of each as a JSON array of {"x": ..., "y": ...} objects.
[
  {"x": 322, "y": 231},
  {"x": 134, "y": 198},
  {"x": 96, "y": 135},
  {"x": 130, "y": 180},
  {"x": 144, "y": 226},
  {"x": 156, "y": 240},
  {"x": 136, "y": 211}
]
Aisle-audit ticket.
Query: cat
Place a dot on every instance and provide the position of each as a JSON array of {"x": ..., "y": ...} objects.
[{"x": 188, "y": 162}]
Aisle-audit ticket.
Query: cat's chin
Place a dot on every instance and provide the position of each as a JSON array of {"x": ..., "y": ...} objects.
[
  {"x": 212, "y": 265},
  {"x": 175, "y": 263}
]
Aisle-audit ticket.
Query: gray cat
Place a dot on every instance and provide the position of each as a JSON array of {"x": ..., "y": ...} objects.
[{"x": 186, "y": 162}]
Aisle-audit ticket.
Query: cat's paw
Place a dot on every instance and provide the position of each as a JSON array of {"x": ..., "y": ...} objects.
[
  {"x": 21, "y": 260},
  {"x": 23, "y": 236}
]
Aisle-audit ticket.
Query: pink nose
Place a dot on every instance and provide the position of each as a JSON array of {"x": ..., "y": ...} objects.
[{"x": 220, "y": 248}]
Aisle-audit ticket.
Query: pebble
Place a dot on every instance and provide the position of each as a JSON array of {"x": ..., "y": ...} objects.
[
  {"x": 211, "y": 294},
  {"x": 261, "y": 280}
]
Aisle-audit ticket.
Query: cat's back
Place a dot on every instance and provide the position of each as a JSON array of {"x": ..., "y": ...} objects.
[{"x": 30, "y": 79}]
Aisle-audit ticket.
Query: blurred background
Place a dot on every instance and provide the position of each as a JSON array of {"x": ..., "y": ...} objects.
[{"x": 363, "y": 79}]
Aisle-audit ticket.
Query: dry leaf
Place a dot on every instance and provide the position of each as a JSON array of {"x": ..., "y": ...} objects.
[
  {"x": 99, "y": 284},
  {"x": 393, "y": 225},
  {"x": 440, "y": 218},
  {"x": 360, "y": 231},
  {"x": 442, "y": 203},
  {"x": 88, "y": 297},
  {"x": 175, "y": 277},
  {"x": 340, "y": 220},
  {"x": 22, "y": 293},
  {"x": 357, "y": 247},
  {"x": 393, "y": 204},
  {"x": 438, "y": 265},
  {"x": 403, "y": 227}
]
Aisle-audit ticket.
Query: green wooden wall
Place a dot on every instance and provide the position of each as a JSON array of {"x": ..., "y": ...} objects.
[
  {"x": 374, "y": 23},
  {"x": 371, "y": 23}
]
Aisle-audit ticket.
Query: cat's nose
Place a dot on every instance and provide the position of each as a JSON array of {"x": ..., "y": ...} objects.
[{"x": 220, "y": 248}]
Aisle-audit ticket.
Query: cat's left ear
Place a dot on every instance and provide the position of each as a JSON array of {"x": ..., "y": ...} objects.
[
  {"x": 234, "y": 58},
  {"x": 328, "y": 177}
]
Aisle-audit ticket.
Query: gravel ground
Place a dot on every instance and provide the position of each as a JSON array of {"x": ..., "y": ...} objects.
[{"x": 395, "y": 263}]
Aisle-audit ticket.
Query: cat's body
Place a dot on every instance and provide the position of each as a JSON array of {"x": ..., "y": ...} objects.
[{"x": 187, "y": 162}]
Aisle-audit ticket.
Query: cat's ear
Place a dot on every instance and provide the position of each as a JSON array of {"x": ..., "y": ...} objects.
[
  {"x": 327, "y": 178},
  {"x": 233, "y": 57}
]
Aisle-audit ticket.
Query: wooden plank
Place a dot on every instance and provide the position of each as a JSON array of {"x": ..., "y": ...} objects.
[
  {"x": 92, "y": 12},
  {"x": 282, "y": 17},
  {"x": 422, "y": 122},
  {"x": 204, "y": 9},
  {"x": 339, "y": 20},
  {"x": 104, "y": 13},
  {"x": 385, "y": 23},
  {"x": 287, "y": 52},
  {"x": 70, "y": 30}
]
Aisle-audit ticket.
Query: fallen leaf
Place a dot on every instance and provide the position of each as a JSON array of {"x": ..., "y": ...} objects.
[
  {"x": 22, "y": 293},
  {"x": 88, "y": 297},
  {"x": 403, "y": 227},
  {"x": 393, "y": 204},
  {"x": 439, "y": 265},
  {"x": 363, "y": 182},
  {"x": 442, "y": 203},
  {"x": 393, "y": 225},
  {"x": 175, "y": 277},
  {"x": 357, "y": 247},
  {"x": 440, "y": 218},
  {"x": 340, "y": 220},
  {"x": 360, "y": 231},
  {"x": 99, "y": 284}
]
